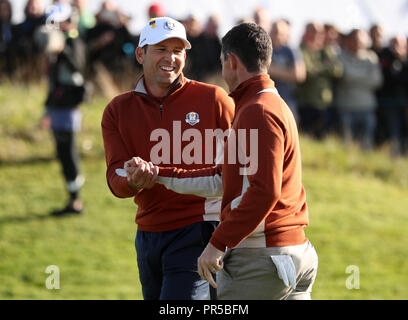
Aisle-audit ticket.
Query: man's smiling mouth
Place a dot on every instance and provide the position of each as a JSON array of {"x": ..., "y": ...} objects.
[{"x": 167, "y": 69}]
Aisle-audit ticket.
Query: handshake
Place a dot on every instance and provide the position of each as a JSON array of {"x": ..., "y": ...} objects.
[{"x": 140, "y": 174}]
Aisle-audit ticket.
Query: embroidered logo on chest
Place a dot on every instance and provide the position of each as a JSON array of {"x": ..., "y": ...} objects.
[{"x": 192, "y": 118}]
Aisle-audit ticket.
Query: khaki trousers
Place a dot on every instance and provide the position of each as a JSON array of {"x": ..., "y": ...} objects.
[{"x": 250, "y": 274}]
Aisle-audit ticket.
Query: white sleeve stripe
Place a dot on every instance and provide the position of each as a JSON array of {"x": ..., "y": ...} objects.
[
  {"x": 245, "y": 184},
  {"x": 201, "y": 186}
]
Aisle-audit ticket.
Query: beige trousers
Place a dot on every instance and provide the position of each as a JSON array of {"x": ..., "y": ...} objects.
[{"x": 250, "y": 273}]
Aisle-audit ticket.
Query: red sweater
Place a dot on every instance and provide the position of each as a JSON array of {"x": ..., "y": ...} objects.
[
  {"x": 137, "y": 124},
  {"x": 267, "y": 207}
]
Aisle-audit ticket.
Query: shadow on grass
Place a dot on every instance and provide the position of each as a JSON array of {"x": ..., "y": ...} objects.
[
  {"x": 34, "y": 217},
  {"x": 98, "y": 154},
  {"x": 26, "y": 161}
]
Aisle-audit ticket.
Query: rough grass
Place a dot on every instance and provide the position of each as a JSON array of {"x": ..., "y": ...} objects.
[{"x": 357, "y": 202}]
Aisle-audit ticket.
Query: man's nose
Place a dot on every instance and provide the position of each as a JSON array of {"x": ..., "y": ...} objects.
[{"x": 170, "y": 56}]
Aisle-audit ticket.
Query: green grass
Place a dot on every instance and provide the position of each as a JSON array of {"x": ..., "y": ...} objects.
[
  {"x": 357, "y": 202},
  {"x": 94, "y": 252}
]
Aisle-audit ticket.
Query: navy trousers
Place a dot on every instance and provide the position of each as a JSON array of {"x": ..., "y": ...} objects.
[{"x": 167, "y": 262}]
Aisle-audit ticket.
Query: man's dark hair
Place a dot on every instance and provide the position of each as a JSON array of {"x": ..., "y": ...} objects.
[{"x": 251, "y": 43}]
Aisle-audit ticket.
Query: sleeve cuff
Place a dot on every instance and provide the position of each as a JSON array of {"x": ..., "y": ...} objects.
[{"x": 220, "y": 246}]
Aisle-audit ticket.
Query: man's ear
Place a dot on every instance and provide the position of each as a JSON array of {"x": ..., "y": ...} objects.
[
  {"x": 139, "y": 55},
  {"x": 233, "y": 61}
]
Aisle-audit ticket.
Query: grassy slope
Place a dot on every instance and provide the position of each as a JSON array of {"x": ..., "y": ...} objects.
[{"x": 357, "y": 209}]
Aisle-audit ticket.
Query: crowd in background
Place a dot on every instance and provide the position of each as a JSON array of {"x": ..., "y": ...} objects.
[{"x": 354, "y": 84}]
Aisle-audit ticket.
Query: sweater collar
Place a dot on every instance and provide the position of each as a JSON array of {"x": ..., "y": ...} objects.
[
  {"x": 251, "y": 87},
  {"x": 176, "y": 85}
]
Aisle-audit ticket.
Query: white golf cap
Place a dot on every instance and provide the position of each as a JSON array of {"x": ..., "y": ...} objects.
[{"x": 163, "y": 28}]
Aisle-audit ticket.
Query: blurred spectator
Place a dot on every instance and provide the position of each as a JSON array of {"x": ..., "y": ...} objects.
[
  {"x": 194, "y": 61},
  {"x": 243, "y": 20},
  {"x": 393, "y": 95},
  {"x": 110, "y": 47},
  {"x": 203, "y": 59},
  {"x": 156, "y": 10},
  {"x": 207, "y": 51},
  {"x": 355, "y": 91},
  {"x": 377, "y": 37},
  {"x": 29, "y": 59},
  {"x": 333, "y": 41},
  {"x": 332, "y": 37},
  {"x": 34, "y": 16},
  {"x": 315, "y": 95},
  {"x": 287, "y": 66},
  {"x": 262, "y": 18},
  {"x": 7, "y": 31},
  {"x": 376, "y": 33},
  {"x": 87, "y": 19},
  {"x": 67, "y": 60}
]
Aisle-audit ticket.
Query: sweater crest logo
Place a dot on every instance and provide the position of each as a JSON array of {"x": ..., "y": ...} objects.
[{"x": 192, "y": 118}]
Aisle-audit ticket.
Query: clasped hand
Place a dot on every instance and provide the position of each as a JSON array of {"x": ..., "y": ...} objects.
[{"x": 140, "y": 173}]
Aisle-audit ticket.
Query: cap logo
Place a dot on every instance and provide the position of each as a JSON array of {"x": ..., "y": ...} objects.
[
  {"x": 192, "y": 118},
  {"x": 169, "y": 25},
  {"x": 152, "y": 23}
]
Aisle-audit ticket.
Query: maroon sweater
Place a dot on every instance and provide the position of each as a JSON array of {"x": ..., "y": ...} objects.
[
  {"x": 266, "y": 205},
  {"x": 168, "y": 133}
]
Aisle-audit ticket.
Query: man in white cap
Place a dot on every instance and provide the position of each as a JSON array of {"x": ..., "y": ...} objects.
[
  {"x": 165, "y": 121},
  {"x": 260, "y": 250}
]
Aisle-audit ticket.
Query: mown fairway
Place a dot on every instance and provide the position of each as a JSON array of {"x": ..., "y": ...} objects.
[{"x": 358, "y": 207}]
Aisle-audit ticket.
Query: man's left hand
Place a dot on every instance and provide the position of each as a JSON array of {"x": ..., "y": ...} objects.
[{"x": 209, "y": 263}]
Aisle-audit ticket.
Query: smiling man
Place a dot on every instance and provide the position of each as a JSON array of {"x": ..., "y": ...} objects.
[
  {"x": 260, "y": 249},
  {"x": 173, "y": 229}
]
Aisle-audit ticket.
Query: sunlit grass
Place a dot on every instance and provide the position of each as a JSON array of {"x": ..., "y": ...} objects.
[{"x": 357, "y": 206}]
